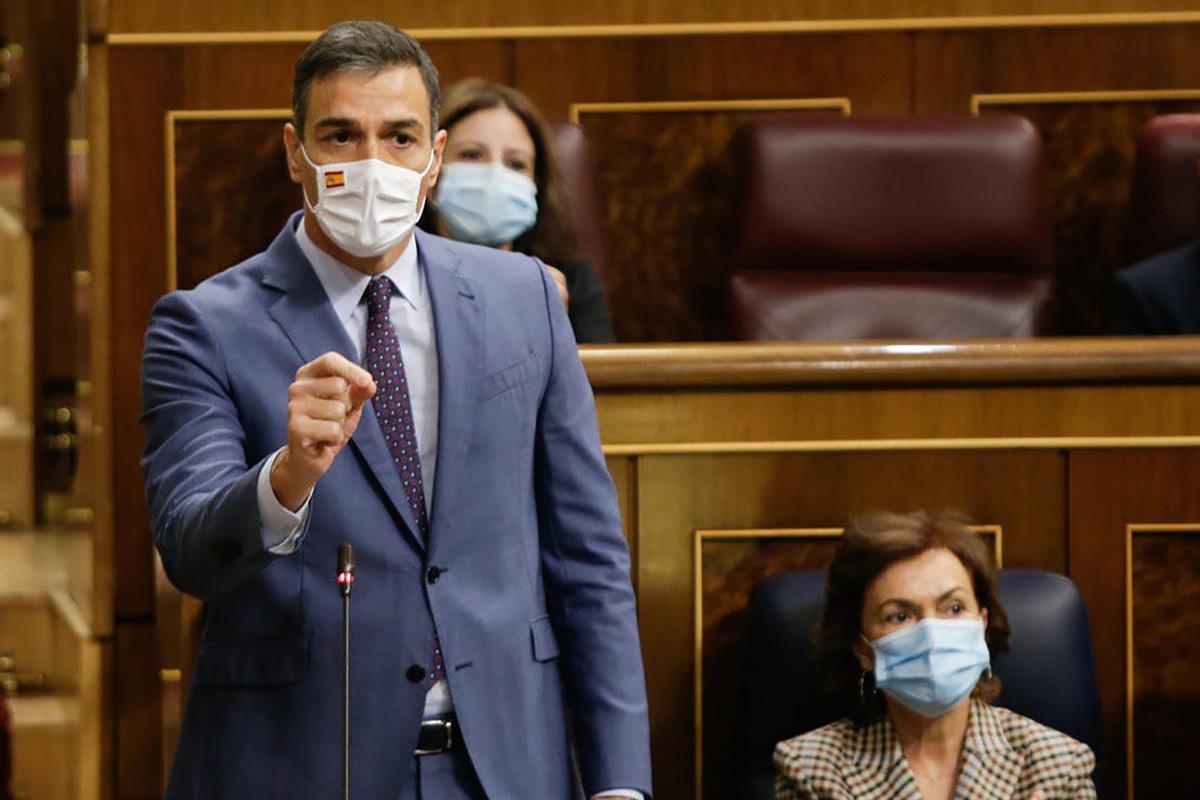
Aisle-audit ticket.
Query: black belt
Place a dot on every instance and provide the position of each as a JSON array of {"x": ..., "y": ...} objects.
[{"x": 438, "y": 736}]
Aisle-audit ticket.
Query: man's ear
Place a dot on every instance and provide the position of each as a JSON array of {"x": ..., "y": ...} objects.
[
  {"x": 439, "y": 148},
  {"x": 295, "y": 161}
]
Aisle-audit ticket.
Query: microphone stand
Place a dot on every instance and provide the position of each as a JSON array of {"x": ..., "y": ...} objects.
[{"x": 345, "y": 580}]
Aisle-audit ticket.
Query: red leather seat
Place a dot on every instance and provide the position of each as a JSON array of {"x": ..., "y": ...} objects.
[
  {"x": 890, "y": 227},
  {"x": 584, "y": 196},
  {"x": 1164, "y": 203}
]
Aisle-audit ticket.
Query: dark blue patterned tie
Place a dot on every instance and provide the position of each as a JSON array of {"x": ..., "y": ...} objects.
[{"x": 393, "y": 408}]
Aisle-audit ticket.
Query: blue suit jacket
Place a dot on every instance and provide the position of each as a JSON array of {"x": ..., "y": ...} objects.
[
  {"x": 1161, "y": 295},
  {"x": 535, "y": 611}
]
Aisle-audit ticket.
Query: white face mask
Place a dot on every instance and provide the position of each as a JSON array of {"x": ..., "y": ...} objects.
[{"x": 366, "y": 207}]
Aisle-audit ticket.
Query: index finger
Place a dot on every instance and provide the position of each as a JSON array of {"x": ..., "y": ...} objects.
[{"x": 336, "y": 365}]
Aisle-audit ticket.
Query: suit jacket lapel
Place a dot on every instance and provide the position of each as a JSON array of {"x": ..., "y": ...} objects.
[
  {"x": 991, "y": 768},
  {"x": 874, "y": 765},
  {"x": 458, "y": 323},
  {"x": 305, "y": 314}
]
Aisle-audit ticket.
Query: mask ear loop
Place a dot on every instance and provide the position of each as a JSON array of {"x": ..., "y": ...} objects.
[{"x": 307, "y": 205}]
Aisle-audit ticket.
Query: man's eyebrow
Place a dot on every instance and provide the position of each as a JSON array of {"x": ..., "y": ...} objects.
[
  {"x": 403, "y": 124},
  {"x": 336, "y": 122}
]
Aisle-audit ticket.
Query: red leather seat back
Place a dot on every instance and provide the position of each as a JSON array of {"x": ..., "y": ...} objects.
[
  {"x": 899, "y": 305},
  {"x": 891, "y": 227},
  {"x": 1164, "y": 203},
  {"x": 584, "y": 196}
]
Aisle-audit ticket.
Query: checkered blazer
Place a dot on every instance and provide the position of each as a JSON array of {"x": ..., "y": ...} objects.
[{"x": 1005, "y": 756}]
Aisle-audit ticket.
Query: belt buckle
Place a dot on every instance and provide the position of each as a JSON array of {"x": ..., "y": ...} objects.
[{"x": 447, "y": 728}]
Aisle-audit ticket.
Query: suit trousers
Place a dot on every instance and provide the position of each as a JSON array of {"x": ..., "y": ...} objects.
[{"x": 448, "y": 776}]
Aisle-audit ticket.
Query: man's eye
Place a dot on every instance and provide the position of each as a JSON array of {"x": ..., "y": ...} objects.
[{"x": 340, "y": 137}]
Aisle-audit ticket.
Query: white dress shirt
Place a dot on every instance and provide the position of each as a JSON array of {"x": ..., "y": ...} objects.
[{"x": 412, "y": 314}]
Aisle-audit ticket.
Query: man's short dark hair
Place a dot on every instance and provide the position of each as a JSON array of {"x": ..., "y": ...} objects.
[{"x": 364, "y": 46}]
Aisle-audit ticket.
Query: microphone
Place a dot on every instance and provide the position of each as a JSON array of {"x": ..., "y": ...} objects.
[
  {"x": 345, "y": 568},
  {"x": 345, "y": 581}
]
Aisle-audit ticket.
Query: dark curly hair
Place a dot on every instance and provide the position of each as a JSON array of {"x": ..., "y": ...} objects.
[{"x": 872, "y": 543}]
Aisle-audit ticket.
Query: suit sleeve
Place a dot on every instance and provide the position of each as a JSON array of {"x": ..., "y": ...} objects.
[
  {"x": 586, "y": 565},
  {"x": 788, "y": 788},
  {"x": 1132, "y": 312},
  {"x": 1085, "y": 764},
  {"x": 202, "y": 495},
  {"x": 588, "y": 310},
  {"x": 790, "y": 783}
]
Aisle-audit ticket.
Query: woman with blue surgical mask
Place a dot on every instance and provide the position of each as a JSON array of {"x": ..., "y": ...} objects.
[
  {"x": 911, "y": 619},
  {"x": 500, "y": 186}
]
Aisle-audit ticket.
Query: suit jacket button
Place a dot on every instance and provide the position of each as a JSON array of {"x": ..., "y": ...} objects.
[
  {"x": 415, "y": 673},
  {"x": 434, "y": 574}
]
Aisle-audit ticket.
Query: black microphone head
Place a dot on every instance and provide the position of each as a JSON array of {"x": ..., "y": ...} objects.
[{"x": 345, "y": 559}]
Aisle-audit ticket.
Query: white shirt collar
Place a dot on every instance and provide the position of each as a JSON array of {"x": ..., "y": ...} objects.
[{"x": 345, "y": 286}]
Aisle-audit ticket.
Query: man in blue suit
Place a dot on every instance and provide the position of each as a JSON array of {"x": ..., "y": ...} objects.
[{"x": 422, "y": 400}]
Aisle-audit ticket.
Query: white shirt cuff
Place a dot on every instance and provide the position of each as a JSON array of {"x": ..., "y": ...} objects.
[
  {"x": 632, "y": 793},
  {"x": 281, "y": 528}
]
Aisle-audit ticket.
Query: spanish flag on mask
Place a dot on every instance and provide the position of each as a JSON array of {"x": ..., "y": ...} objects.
[{"x": 335, "y": 179}]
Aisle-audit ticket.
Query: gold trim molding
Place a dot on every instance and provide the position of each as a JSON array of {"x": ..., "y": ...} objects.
[
  {"x": 202, "y": 115},
  {"x": 1130, "y": 531},
  {"x": 894, "y": 445},
  {"x": 841, "y": 104},
  {"x": 179, "y": 38},
  {"x": 702, "y": 536},
  {"x": 978, "y": 101}
]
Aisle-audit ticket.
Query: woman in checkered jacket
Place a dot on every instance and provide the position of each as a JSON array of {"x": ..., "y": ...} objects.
[{"x": 911, "y": 618}]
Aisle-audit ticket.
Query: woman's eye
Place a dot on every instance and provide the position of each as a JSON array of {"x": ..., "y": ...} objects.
[
  {"x": 957, "y": 608},
  {"x": 470, "y": 155},
  {"x": 896, "y": 617},
  {"x": 518, "y": 166}
]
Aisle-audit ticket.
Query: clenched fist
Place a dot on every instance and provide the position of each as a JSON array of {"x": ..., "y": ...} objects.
[{"x": 325, "y": 404}]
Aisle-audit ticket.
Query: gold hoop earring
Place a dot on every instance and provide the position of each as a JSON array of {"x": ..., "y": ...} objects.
[{"x": 862, "y": 688}]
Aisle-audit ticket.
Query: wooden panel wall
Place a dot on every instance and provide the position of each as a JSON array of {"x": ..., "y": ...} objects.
[
  {"x": 16, "y": 373},
  {"x": 720, "y": 474},
  {"x": 668, "y": 174},
  {"x": 881, "y": 71},
  {"x": 149, "y": 16}
]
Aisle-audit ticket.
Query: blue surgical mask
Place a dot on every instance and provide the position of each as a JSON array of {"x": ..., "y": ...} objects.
[
  {"x": 486, "y": 204},
  {"x": 932, "y": 666}
]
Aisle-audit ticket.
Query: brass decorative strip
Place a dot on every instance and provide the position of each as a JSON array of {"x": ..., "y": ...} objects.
[
  {"x": 16, "y": 147},
  {"x": 979, "y": 101},
  {"x": 701, "y": 536},
  {"x": 841, "y": 104},
  {"x": 1130, "y": 531},
  {"x": 1049, "y": 360},
  {"x": 890, "y": 445},
  {"x": 683, "y": 28}
]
